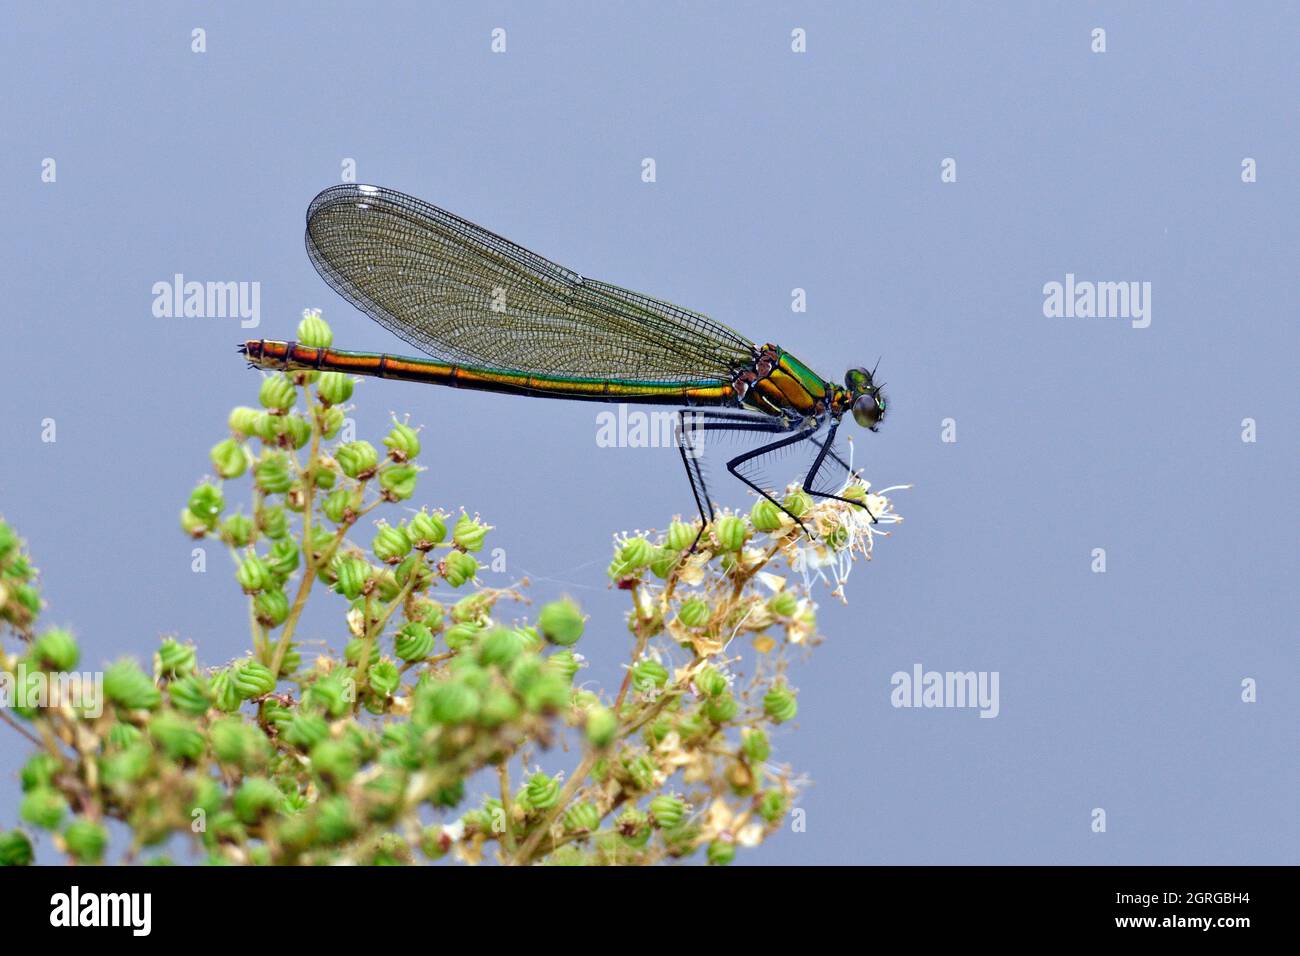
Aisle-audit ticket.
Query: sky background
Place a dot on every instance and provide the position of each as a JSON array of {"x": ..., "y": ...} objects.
[{"x": 775, "y": 170}]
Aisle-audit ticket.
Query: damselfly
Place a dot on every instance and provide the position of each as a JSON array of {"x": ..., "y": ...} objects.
[{"x": 495, "y": 317}]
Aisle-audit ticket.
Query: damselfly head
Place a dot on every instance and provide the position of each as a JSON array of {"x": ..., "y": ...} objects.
[{"x": 866, "y": 397}]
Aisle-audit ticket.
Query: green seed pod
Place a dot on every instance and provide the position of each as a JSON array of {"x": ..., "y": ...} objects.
[
  {"x": 765, "y": 516},
  {"x": 403, "y": 442},
  {"x": 667, "y": 811},
  {"x": 243, "y": 421},
  {"x": 340, "y": 504},
  {"x": 271, "y": 608},
  {"x": 273, "y": 475},
  {"x": 334, "y": 388},
  {"x": 228, "y": 458},
  {"x": 779, "y": 704},
  {"x": 648, "y": 674},
  {"x": 190, "y": 695},
  {"x": 771, "y": 805},
  {"x": 414, "y": 642},
  {"x": 283, "y": 557},
  {"x": 313, "y": 331},
  {"x": 237, "y": 530},
  {"x": 334, "y": 760},
  {"x": 663, "y": 562},
  {"x": 565, "y": 663},
  {"x": 15, "y": 848},
  {"x": 253, "y": 574},
  {"x": 657, "y": 731},
  {"x": 462, "y": 636},
  {"x": 357, "y": 459},
  {"x": 451, "y": 702},
  {"x": 277, "y": 393},
  {"x": 305, "y": 731},
  {"x": 399, "y": 481},
  {"x": 237, "y": 743},
  {"x": 543, "y": 791},
  {"x": 730, "y": 532},
  {"x": 721, "y": 853},
  {"x": 332, "y": 693},
  {"x": 602, "y": 726},
  {"x": 298, "y": 430},
  {"x": 499, "y": 646},
  {"x": 530, "y": 638},
  {"x": 192, "y": 524},
  {"x": 722, "y": 708},
  {"x": 634, "y": 827},
  {"x": 427, "y": 530},
  {"x": 56, "y": 650},
  {"x": 561, "y": 622},
  {"x": 641, "y": 770},
  {"x": 351, "y": 575},
  {"x": 127, "y": 767},
  {"x": 121, "y": 736},
  {"x": 86, "y": 840},
  {"x": 176, "y": 659},
  {"x": 680, "y": 536},
  {"x": 128, "y": 686},
  {"x": 693, "y": 612},
  {"x": 255, "y": 798},
  {"x": 581, "y": 818},
  {"x": 428, "y": 612},
  {"x": 756, "y": 746},
  {"x": 269, "y": 428},
  {"x": 40, "y": 771},
  {"x": 549, "y": 693},
  {"x": 475, "y": 608},
  {"x": 694, "y": 726},
  {"x": 331, "y": 420},
  {"x": 391, "y": 544},
  {"x": 414, "y": 565},
  {"x": 273, "y": 522},
  {"x": 384, "y": 678},
  {"x": 252, "y": 679},
  {"x": 499, "y": 707},
  {"x": 468, "y": 533},
  {"x": 783, "y": 604},
  {"x": 458, "y": 567},
  {"x": 225, "y": 695},
  {"x": 710, "y": 682},
  {"x": 635, "y": 553},
  {"x": 179, "y": 737},
  {"x": 798, "y": 503}
]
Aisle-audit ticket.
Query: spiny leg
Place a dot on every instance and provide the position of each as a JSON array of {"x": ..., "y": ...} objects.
[
  {"x": 695, "y": 476},
  {"x": 733, "y": 466},
  {"x": 724, "y": 421},
  {"x": 817, "y": 467}
]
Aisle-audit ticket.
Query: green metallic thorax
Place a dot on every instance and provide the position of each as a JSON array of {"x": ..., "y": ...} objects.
[{"x": 782, "y": 385}]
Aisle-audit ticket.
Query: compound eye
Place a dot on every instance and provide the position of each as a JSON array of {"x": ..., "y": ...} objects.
[{"x": 866, "y": 412}]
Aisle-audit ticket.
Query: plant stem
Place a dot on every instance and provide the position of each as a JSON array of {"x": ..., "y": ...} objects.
[{"x": 508, "y": 838}]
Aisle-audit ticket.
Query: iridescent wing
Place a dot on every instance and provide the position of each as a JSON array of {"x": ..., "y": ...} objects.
[{"x": 464, "y": 295}]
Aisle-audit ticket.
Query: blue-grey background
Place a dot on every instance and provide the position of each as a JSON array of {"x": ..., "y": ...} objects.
[{"x": 775, "y": 170}]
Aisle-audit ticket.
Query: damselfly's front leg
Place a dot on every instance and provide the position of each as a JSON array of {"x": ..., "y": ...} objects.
[{"x": 817, "y": 467}]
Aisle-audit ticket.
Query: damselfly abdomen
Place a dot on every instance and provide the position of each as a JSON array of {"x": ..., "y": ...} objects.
[{"x": 493, "y": 316}]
